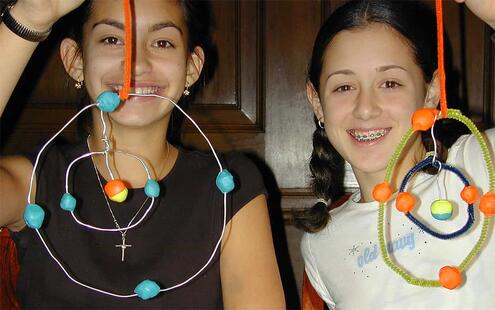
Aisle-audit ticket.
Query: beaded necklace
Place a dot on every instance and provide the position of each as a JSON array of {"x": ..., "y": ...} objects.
[
  {"x": 449, "y": 277},
  {"x": 123, "y": 246},
  {"x": 123, "y": 234},
  {"x": 115, "y": 189}
]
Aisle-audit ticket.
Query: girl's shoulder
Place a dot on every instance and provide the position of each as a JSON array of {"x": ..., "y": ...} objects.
[
  {"x": 55, "y": 151},
  {"x": 467, "y": 142},
  {"x": 247, "y": 175},
  {"x": 468, "y": 150},
  {"x": 236, "y": 162},
  {"x": 469, "y": 156}
]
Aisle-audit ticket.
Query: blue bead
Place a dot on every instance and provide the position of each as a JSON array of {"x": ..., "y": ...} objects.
[
  {"x": 108, "y": 101},
  {"x": 225, "y": 181},
  {"x": 152, "y": 188},
  {"x": 33, "y": 216},
  {"x": 147, "y": 289},
  {"x": 442, "y": 217},
  {"x": 68, "y": 202},
  {"x": 441, "y": 209}
]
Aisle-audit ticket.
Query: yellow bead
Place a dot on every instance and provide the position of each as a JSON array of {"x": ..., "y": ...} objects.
[
  {"x": 441, "y": 209},
  {"x": 116, "y": 190},
  {"x": 120, "y": 196}
]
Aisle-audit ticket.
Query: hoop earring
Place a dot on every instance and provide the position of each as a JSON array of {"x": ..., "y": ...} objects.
[
  {"x": 321, "y": 125},
  {"x": 186, "y": 91},
  {"x": 79, "y": 84}
]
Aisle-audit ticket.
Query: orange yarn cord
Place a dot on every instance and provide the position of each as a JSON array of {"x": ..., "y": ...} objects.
[
  {"x": 440, "y": 51},
  {"x": 124, "y": 92}
]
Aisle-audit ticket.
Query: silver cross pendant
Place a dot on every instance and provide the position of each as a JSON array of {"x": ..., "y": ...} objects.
[{"x": 123, "y": 246}]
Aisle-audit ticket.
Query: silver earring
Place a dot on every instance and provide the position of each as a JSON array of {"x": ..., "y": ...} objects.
[
  {"x": 321, "y": 125},
  {"x": 79, "y": 84},
  {"x": 186, "y": 91}
]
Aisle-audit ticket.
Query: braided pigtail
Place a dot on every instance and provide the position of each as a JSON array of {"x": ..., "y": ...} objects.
[{"x": 327, "y": 171}]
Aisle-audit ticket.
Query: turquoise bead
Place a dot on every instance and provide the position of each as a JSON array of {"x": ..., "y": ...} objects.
[
  {"x": 441, "y": 209},
  {"x": 225, "y": 181},
  {"x": 68, "y": 202},
  {"x": 34, "y": 216},
  {"x": 147, "y": 289},
  {"x": 152, "y": 188},
  {"x": 108, "y": 101}
]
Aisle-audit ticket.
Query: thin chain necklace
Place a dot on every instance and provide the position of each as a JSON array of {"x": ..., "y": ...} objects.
[{"x": 123, "y": 246}]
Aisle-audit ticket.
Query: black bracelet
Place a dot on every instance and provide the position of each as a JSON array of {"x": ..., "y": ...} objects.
[{"x": 21, "y": 30}]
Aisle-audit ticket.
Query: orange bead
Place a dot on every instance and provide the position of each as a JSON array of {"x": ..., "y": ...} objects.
[
  {"x": 382, "y": 192},
  {"x": 487, "y": 204},
  {"x": 114, "y": 187},
  {"x": 423, "y": 119},
  {"x": 450, "y": 277},
  {"x": 405, "y": 202},
  {"x": 470, "y": 194}
]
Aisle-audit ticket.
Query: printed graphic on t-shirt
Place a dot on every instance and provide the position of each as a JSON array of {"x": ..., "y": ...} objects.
[{"x": 366, "y": 256}]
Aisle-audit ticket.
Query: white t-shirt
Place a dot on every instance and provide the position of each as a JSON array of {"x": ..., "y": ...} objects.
[{"x": 345, "y": 266}]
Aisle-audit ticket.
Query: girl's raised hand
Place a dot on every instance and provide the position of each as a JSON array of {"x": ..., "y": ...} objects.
[
  {"x": 40, "y": 15},
  {"x": 484, "y": 9}
]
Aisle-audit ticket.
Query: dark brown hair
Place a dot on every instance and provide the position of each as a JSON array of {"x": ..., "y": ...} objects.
[{"x": 326, "y": 164}]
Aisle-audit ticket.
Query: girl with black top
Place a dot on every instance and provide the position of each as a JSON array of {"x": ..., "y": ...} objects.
[{"x": 176, "y": 239}]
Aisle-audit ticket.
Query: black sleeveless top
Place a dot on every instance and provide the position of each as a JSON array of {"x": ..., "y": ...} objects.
[{"x": 174, "y": 241}]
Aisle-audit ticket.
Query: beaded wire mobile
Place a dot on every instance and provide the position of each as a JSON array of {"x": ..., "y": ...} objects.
[
  {"x": 115, "y": 189},
  {"x": 449, "y": 277}
]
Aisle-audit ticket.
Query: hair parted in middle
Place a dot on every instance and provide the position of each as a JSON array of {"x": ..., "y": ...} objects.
[
  {"x": 326, "y": 164},
  {"x": 199, "y": 19}
]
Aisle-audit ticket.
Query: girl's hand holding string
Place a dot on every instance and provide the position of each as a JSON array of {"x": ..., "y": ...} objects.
[
  {"x": 484, "y": 9},
  {"x": 40, "y": 15}
]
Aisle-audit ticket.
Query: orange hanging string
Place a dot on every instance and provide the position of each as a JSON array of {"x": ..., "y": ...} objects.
[
  {"x": 124, "y": 92},
  {"x": 440, "y": 52}
]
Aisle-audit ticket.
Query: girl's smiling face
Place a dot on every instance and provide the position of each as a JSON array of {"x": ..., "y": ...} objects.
[
  {"x": 161, "y": 61},
  {"x": 370, "y": 85}
]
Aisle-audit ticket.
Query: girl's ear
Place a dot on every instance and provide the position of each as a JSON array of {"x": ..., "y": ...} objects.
[
  {"x": 314, "y": 101},
  {"x": 195, "y": 65},
  {"x": 433, "y": 92},
  {"x": 72, "y": 59}
]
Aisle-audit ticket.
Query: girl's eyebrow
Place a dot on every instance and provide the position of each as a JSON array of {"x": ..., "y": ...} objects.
[
  {"x": 389, "y": 67},
  {"x": 344, "y": 71},
  {"x": 163, "y": 25},
  {"x": 152, "y": 28},
  {"x": 110, "y": 22},
  {"x": 379, "y": 69}
]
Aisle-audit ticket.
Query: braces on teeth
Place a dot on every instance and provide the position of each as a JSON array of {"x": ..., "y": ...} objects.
[{"x": 369, "y": 136}]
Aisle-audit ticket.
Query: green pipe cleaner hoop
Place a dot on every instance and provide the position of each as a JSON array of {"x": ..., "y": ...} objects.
[{"x": 457, "y": 115}]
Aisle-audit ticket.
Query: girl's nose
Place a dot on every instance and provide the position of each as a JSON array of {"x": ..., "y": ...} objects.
[
  {"x": 141, "y": 62},
  {"x": 366, "y": 106}
]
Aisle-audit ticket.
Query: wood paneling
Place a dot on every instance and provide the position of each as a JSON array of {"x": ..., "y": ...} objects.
[
  {"x": 233, "y": 100},
  {"x": 291, "y": 29}
]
